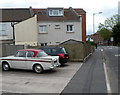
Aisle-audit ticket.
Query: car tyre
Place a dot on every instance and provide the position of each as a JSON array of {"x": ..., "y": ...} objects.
[
  {"x": 38, "y": 68},
  {"x": 5, "y": 67}
]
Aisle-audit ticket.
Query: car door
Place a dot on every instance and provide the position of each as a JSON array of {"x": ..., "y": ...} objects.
[
  {"x": 19, "y": 60},
  {"x": 30, "y": 59}
]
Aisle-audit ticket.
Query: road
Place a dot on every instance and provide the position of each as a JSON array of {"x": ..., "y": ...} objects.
[
  {"x": 111, "y": 54},
  {"x": 99, "y": 74}
]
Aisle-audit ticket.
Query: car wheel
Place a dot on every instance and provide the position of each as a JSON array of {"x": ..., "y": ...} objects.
[
  {"x": 38, "y": 68},
  {"x": 5, "y": 67}
]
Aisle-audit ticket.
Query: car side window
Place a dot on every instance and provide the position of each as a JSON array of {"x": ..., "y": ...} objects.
[
  {"x": 47, "y": 50},
  {"x": 20, "y": 54},
  {"x": 54, "y": 50},
  {"x": 30, "y": 54}
]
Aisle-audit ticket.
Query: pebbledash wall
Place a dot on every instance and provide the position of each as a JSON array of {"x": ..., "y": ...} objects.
[{"x": 57, "y": 32}]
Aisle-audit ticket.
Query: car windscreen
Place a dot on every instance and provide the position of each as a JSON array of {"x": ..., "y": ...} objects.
[{"x": 42, "y": 54}]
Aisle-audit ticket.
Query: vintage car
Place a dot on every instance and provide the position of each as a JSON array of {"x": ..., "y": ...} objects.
[{"x": 30, "y": 59}]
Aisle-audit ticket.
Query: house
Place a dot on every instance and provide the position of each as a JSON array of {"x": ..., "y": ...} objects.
[
  {"x": 49, "y": 26},
  {"x": 56, "y": 25},
  {"x": 26, "y": 32},
  {"x": 96, "y": 38},
  {"x": 8, "y": 18}
]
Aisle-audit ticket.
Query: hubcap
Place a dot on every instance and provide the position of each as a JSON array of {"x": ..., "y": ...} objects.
[
  {"x": 6, "y": 67},
  {"x": 38, "y": 68}
]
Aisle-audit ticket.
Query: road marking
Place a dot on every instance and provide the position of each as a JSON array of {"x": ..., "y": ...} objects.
[
  {"x": 9, "y": 91},
  {"x": 101, "y": 49},
  {"x": 107, "y": 80},
  {"x": 117, "y": 55},
  {"x": 110, "y": 48}
]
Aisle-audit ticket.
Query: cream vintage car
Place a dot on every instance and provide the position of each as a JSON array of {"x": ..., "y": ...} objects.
[{"x": 30, "y": 59}]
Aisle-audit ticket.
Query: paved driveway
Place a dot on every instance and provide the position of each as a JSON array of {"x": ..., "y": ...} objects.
[{"x": 20, "y": 81}]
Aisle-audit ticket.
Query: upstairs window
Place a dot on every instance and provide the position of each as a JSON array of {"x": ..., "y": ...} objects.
[
  {"x": 56, "y": 12},
  {"x": 70, "y": 28},
  {"x": 3, "y": 29},
  {"x": 43, "y": 29}
]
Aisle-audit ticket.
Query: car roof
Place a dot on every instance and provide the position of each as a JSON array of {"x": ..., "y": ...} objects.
[
  {"x": 51, "y": 47},
  {"x": 36, "y": 51}
]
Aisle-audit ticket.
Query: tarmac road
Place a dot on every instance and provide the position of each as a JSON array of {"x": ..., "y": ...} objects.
[
  {"x": 90, "y": 78},
  {"x": 98, "y": 75},
  {"x": 111, "y": 54}
]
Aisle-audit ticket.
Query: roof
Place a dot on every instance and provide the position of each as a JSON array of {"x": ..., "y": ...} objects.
[
  {"x": 69, "y": 15},
  {"x": 71, "y": 41},
  {"x": 14, "y": 14},
  {"x": 20, "y": 14}
]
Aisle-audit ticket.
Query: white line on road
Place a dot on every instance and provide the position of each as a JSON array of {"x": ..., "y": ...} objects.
[
  {"x": 117, "y": 55},
  {"x": 9, "y": 91},
  {"x": 107, "y": 80}
]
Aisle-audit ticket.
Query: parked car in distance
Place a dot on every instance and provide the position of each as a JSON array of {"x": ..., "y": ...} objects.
[
  {"x": 30, "y": 59},
  {"x": 57, "y": 51}
]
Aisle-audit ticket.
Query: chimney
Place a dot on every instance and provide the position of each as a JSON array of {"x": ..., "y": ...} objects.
[{"x": 31, "y": 11}]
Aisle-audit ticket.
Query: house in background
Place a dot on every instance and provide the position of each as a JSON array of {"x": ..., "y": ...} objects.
[
  {"x": 8, "y": 17},
  {"x": 96, "y": 38},
  {"x": 50, "y": 26}
]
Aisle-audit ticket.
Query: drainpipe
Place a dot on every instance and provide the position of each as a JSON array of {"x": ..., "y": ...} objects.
[{"x": 12, "y": 24}]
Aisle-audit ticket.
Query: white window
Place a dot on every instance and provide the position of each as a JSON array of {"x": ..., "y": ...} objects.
[
  {"x": 55, "y": 12},
  {"x": 43, "y": 29},
  {"x": 70, "y": 28},
  {"x": 3, "y": 29},
  {"x": 57, "y": 26}
]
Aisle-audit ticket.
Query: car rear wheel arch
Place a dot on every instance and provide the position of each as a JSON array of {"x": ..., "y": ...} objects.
[{"x": 37, "y": 68}]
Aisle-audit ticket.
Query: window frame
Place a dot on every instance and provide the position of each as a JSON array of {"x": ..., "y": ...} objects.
[
  {"x": 30, "y": 52},
  {"x": 3, "y": 28},
  {"x": 70, "y": 28},
  {"x": 43, "y": 29},
  {"x": 56, "y": 12},
  {"x": 16, "y": 55}
]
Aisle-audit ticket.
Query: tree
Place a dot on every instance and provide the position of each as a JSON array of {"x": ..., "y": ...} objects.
[
  {"x": 116, "y": 33},
  {"x": 106, "y": 28},
  {"x": 105, "y": 33},
  {"x": 109, "y": 23}
]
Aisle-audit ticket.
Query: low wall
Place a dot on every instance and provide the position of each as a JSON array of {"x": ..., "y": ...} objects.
[{"x": 7, "y": 49}]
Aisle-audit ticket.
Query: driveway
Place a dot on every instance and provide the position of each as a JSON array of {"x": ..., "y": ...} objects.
[{"x": 20, "y": 81}]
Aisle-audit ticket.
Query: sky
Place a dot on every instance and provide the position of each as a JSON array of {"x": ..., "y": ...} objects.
[{"x": 107, "y": 7}]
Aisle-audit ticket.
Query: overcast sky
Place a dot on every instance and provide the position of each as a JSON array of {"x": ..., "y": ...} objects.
[{"x": 107, "y": 7}]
